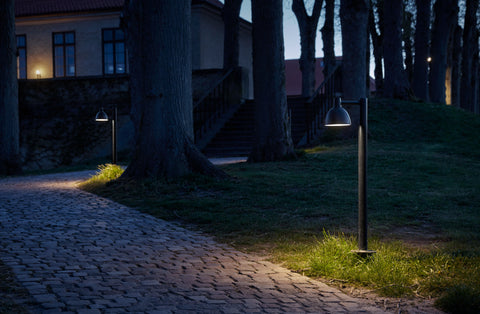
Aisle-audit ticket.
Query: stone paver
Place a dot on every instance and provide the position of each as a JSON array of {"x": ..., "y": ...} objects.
[{"x": 78, "y": 253}]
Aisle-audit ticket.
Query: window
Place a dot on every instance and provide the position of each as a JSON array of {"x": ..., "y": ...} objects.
[
  {"x": 114, "y": 60},
  {"x": 64, "y": 54},
  {"x": 21, "y": 56}
]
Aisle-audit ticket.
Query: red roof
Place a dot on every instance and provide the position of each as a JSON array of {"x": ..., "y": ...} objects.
[{"x": 43, "y": 7}]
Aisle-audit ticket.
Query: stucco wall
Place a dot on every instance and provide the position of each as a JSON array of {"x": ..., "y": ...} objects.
[
  {"x": 207, "y": 42},
  {"x": 88, "y": 41}
]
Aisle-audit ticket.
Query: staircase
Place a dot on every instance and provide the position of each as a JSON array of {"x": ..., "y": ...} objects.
[
  {"x": 236, "y": 137},
  {"x": 298, "y": 115}
]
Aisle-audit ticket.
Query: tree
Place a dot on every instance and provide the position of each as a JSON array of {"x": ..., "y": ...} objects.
[
  {"x": 445, "y": 12},
  {"x": 407, "y": 38},
  {"x": 377, "y": 42},
  {"x": 422, "y": 42},
  {"x": 470, "y": 45},
  {"x": 308, "y": 33},
  {"x": 158, "y": 38},
  {"x": 354, "y": 19},
  {"x": 396, "y": 82},
  {"x": 9, "y": 123},
  {"x": 231, "y": 35},
  {"x": 455, "y": 63},
  {"x": 272, "y": 124},
  {"x": 328, "y": 37}
]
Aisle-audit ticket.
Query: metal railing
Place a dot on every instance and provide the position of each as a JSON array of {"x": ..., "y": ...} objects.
[
  {"x": 317, "y": 106},
  {"x": 212, "y": 105}
]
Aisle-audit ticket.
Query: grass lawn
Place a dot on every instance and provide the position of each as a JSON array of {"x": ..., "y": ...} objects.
[{"x": 424, "y": 206}]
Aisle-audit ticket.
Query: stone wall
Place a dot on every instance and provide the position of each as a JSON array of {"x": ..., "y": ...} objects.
[{"x": 57, "y": 120}]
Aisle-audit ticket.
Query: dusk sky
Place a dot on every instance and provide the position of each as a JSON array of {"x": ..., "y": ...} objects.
[{"x": 291, "y": 34}]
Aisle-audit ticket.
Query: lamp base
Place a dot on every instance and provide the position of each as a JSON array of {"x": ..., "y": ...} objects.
[{"x": 364, "y": 253}]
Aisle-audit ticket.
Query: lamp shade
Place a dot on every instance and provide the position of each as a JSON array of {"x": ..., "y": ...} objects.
[
  {"x": 337, "y": 116},
  {"x": 101, "y": 116}
]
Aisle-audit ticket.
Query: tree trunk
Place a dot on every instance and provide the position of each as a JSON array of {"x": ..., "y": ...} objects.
[
  {"x": 407, "y": 37},
  {"x": 470, "y": 44},
  {"x": 161, "y": 71},
  {"x": 422, "y": 40},
  {"x": 396, "y": 83},
  {"x": 328, "y": 37},
  {"x": 443, "y": 24},
  {"x": 273, "y": 130},
  {"x": 456, "y": 65},
  {"x": 231, "y": 35},
  {"x": 9, "y": 123},
  {"x": 354, "y": 19},
  {"x": 308, "y": 34},
  {"x": 377, "y": 42}
]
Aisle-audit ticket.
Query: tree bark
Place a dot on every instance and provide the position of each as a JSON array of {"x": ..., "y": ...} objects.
[
  {"x": 377, "y": 42},
  {"x": 445, "y": 19},
  {"x": 9, "y": 121},
  {"x": 328, "y": 37},
  {"x": 308, "y": 34},
  {"x": 396, "y": 83},
  {"x": 407, "y": 36},
  {"x": 456, "y": 65},
  {"x": 422, "y": 39},
  {"x": 160, "y": 80},
  {"x": 354, "y": 19},
  {"x": 231, "y": 35},
  {"x": 470, "y": 44},
  {"x": 273, "y": 130}
]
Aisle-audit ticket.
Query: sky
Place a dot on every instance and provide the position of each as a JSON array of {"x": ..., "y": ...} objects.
[{"x": 291, "y": 33}]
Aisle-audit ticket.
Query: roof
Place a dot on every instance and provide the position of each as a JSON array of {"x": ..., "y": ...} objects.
[{"x": 44, "y": 7}]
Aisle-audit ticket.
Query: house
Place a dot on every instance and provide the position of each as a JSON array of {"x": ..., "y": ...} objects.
[
  {"x": 72, "y": 60},
  {"x": 78, "y": 38}
]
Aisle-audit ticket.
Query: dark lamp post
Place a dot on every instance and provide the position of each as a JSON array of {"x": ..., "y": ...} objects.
[
  {"x": 338, "y": 116},
  {"x": 103, "y": 117}
]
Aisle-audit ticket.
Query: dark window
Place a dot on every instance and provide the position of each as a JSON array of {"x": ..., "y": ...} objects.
[
  {"x": 22, "y": 56},
  {"x": 114, "y": 59},
  {"x": 64, "y": 54}
]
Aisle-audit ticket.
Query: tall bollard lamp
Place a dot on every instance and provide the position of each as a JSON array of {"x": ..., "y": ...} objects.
[
  {"x": 103, "y": 117},
  {"x": 338, "y": 117}
]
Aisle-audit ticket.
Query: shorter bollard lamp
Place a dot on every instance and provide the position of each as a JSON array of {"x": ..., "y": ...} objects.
[
  {"x": 337, "y": 117},
  {"x": 102, "y": 116}
]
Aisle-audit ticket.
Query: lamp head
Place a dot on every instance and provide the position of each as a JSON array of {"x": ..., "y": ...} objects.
[
  {"x": 101, "y": 116},
  {"x": 338, "y": 116}
]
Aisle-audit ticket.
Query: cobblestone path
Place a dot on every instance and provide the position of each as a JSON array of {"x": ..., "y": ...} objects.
[{"x": 78, "y": 253}]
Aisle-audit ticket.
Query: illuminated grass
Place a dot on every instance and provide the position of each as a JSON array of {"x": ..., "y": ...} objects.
[{"x": 105, "y": 174}]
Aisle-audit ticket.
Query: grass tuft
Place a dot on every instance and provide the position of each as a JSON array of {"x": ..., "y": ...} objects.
[{"x": 105, "y": 174}]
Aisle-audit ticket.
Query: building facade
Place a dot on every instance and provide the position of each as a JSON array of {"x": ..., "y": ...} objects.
[{"x": 76, "y": 38}]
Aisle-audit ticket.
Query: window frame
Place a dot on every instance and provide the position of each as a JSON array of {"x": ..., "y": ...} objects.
[
  {"x": 114, "y": 41},
  {"x": 21, "y": 48},
  {"x": 64, "y": 45}
]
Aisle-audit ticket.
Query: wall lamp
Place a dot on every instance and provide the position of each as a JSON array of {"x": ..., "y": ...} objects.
[
  {"x": 338, "y": 117},
  {"x": 103, "y": 117}
]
